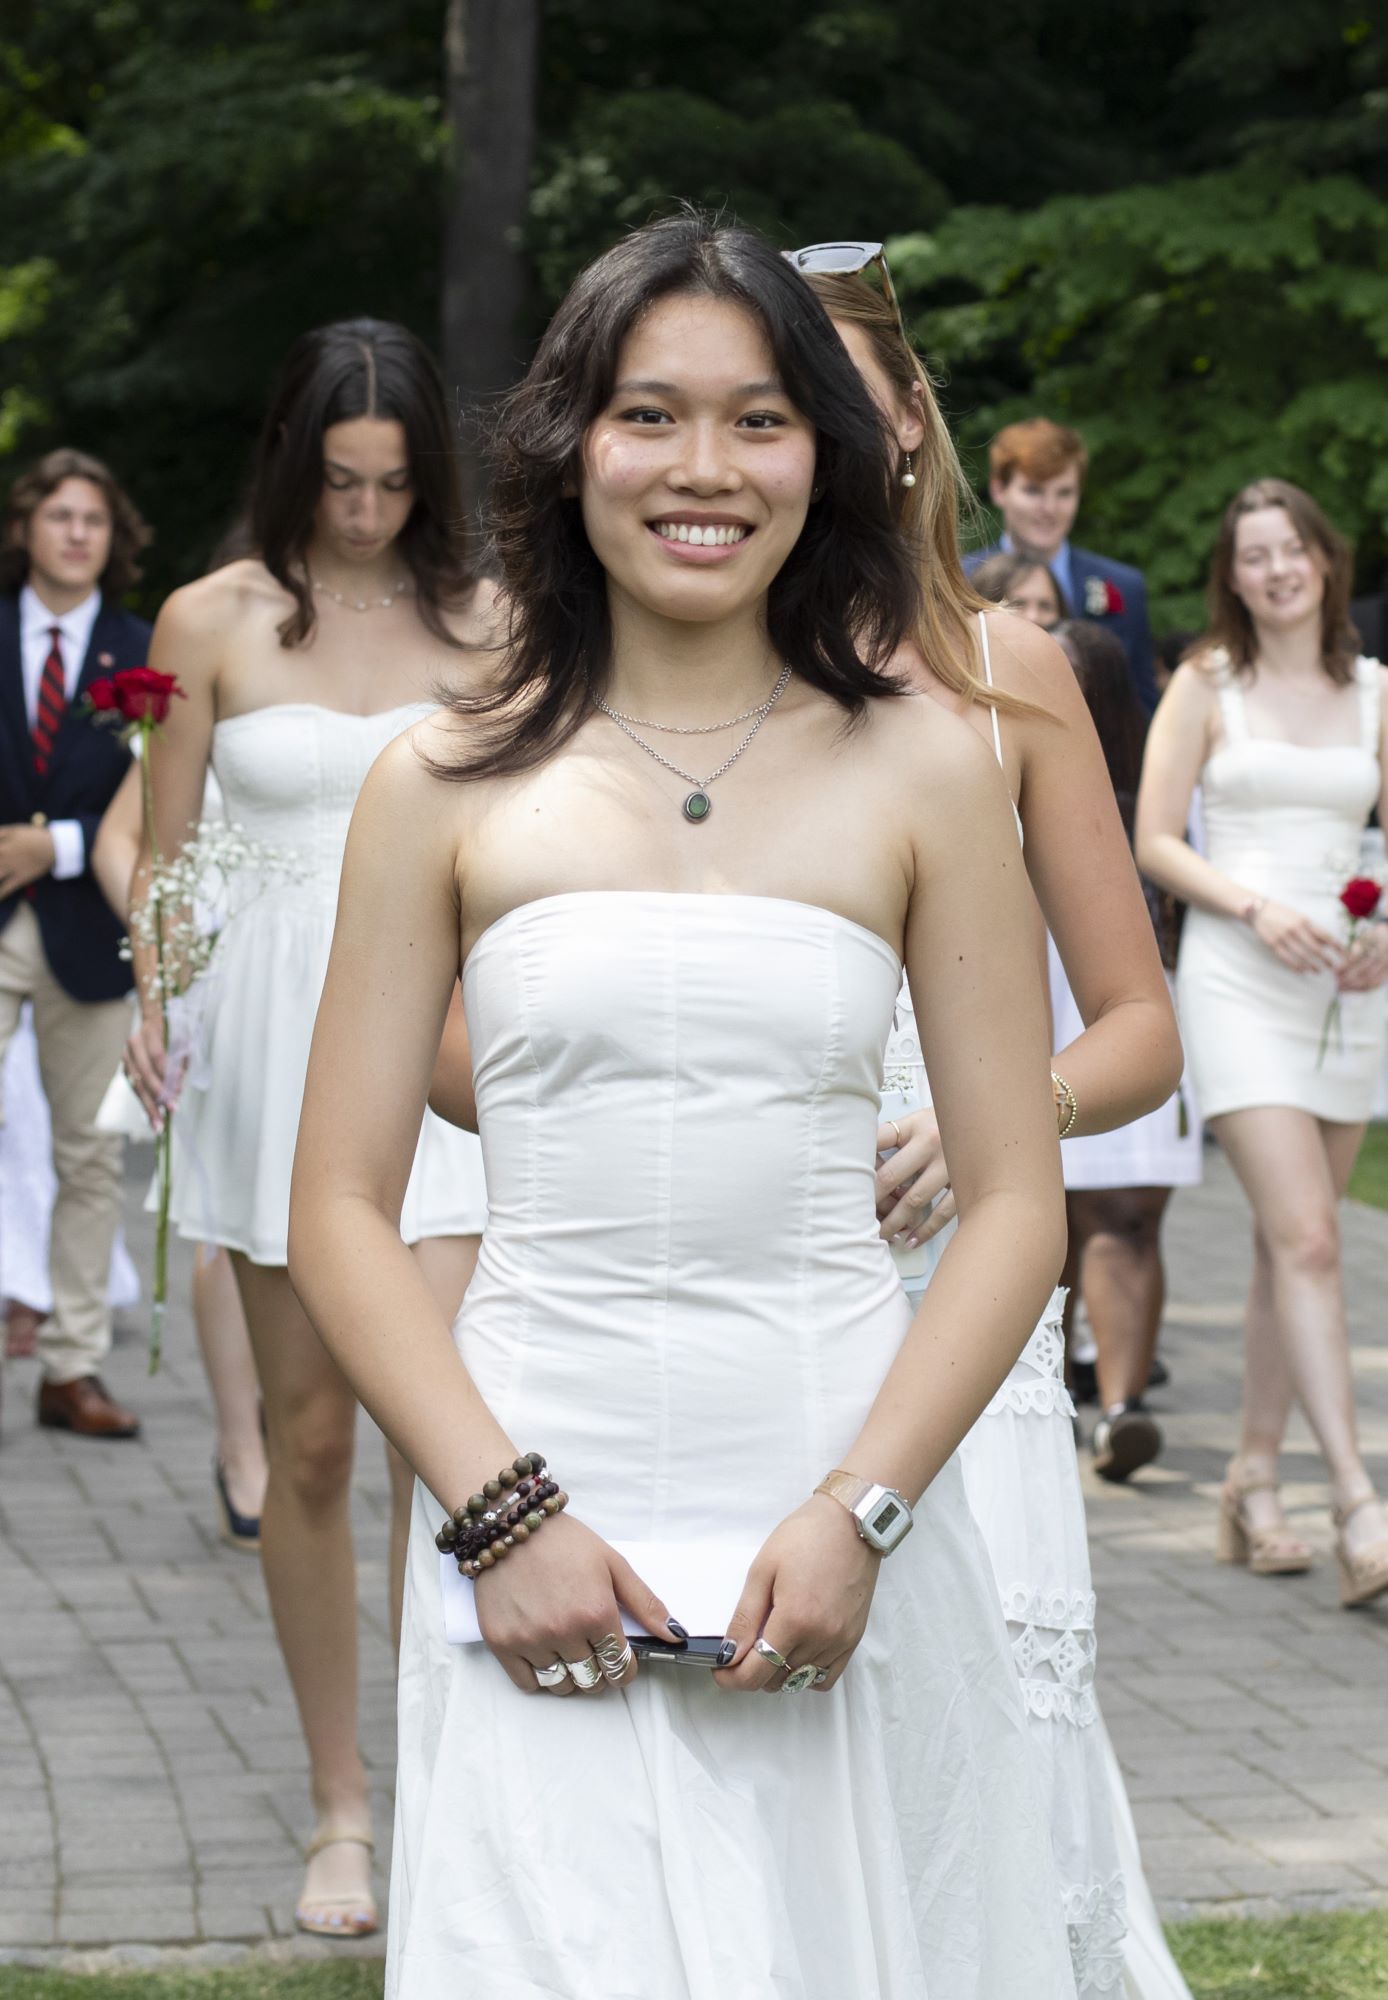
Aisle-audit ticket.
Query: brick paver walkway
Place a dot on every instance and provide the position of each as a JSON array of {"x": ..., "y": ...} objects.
[{"x": 152, "y": 1776}]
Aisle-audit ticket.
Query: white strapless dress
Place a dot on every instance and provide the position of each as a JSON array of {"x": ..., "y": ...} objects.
[
  {"x": 683, "y": 1301},
  {"x": 1285, "y": 820},
  {"x": 289, "y": 775}
]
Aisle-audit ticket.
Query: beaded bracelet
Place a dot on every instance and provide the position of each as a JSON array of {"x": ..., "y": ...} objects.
[
  {"x": 479, "y": 1535},
  {"x": 1065, "y": 1100}
]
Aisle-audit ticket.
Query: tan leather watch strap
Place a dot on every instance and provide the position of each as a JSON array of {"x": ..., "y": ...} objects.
[{"x": 845, "y": 1487}]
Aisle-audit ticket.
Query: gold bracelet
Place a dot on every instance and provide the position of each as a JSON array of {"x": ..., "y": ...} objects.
[{"x": 1065, "y": 1100}]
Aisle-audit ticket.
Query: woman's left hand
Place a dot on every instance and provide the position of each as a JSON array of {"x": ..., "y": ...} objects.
[
  {"x": 1366, "y": 966},
  {"x": 808, "y": 1595}
]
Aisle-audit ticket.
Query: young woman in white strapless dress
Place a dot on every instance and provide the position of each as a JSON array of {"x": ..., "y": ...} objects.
[
  {"x": 298, "y": 667},
  {"x": 678, "y": 994},
  {"x": 1281, "y": 725},
  {"x": 1019, "y": 1460}
]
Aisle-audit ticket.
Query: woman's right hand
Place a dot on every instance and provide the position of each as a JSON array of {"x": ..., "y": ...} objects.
[
  {"x": 1295, "y": 941},
  {"x": 559, "y": 1597},
  {"x": 912, "y": 1178},
  {"x": 145, "y": 1061}
]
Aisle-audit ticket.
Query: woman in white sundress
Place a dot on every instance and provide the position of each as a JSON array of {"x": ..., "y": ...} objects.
[
  {"x": 677, "y": 982},
  {"x": 1018, "y": 691},
  {"x": 299, "y": 665},
  {"x": 1281, "y": 723}
]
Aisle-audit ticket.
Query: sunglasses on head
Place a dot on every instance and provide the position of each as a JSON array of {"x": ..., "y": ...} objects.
[{"x": 848, "y": 260}]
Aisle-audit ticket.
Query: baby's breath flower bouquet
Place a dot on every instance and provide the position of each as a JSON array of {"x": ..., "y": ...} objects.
[{"x": 187, "y": 904}]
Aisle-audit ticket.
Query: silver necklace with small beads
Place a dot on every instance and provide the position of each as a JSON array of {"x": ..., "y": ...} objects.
[
  {"x": 697, "y": 805},
  {"x": 401, "y": 589}
]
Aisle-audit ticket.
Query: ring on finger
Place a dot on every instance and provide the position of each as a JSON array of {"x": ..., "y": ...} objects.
[
  {"x": 768, "y": 1652},
  {"x": 586, "y": 1673},
  {"x": 614, "y": 1654},
  {"x": 897, "y": 1129},
  {"x": 552, "y": 1676},
  {"x": 800, "y": 1678}
]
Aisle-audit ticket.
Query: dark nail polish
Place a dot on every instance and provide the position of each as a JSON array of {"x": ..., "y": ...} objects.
[
  {"x": 678, "y": 1630},
  {"x": 727, "y": 1652}
]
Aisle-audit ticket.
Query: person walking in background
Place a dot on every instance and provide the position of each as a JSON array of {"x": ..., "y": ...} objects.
[
  {"x": 1021, "y": 581},
  {"x": 1281, "y": 723},
  {"x": 1118, "y": 1183},
  {"x": 1036, "y": 479},
  {"x": 299, "y": 664},
  {"x": 71, "y": 545}
]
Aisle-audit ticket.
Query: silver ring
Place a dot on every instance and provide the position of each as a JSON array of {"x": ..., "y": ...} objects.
[
  {"x": 801, "y": 1678},
  {"x": 615, "y": 1668},
  {"x": 552, "y": 1676},
  {"x": 586, "y": 1673},
  {"x": 768, "y": 1652},
  {"x": 615, "y": 1654}
]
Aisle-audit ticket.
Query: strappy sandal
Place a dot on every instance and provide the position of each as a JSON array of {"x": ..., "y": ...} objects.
[
  {"x": 338, "y": 1916},
  {"x": 1273, "y": 1551},
  {"x": 1363, "y": 1572}
]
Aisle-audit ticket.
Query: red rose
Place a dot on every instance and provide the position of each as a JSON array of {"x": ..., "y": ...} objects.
[
  {"x": 102, "y": 694},
  {"x": 1361, "y": 897},
  {"x": 1115, "y": 598},
  {"x": 142, "y": 695}
]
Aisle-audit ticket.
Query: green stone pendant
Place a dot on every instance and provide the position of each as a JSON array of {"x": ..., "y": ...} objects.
[{"x": 698, "y": 806}]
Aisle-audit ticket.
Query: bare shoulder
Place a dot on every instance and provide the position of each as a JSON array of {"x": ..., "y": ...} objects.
[
  {"x": 936, "y": 756},
  {"x": 216, "y": 604},
  {"x": 1194, "y": 687}
]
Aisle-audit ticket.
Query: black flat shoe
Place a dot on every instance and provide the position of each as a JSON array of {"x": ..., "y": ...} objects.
[
  {"x": 1084, "y": 1381},
  {"x": 239, "y": 1531},
  {"x": 1125, "y": 1438},
  {"x": 1158, "y": 1375}
]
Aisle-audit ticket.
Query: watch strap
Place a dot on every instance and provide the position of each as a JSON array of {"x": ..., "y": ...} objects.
[{"x": 846, "y": 1487}]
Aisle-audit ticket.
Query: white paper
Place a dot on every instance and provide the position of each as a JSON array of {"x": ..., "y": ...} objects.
[{"x": 700, "y": 1582}]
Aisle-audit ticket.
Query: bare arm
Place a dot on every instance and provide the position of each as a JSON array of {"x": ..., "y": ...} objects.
[
  {"x": 1128, "y": 1060},
  {"x": 451, "y": 1094},
  {"x": 1178, "y": 745},
  {"x": 186, "y": 643},
  {"x": 116, "y": 848}
]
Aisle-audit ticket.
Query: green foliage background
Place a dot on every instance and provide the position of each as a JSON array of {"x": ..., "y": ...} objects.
[{"x": 1166, "y": 223}]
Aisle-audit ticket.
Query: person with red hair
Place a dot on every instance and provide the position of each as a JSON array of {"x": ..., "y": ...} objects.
[{"x": 1036, "y": 472}]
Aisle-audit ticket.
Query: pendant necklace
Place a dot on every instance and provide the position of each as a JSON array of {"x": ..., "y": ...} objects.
[{"x": 697, "y": 805}]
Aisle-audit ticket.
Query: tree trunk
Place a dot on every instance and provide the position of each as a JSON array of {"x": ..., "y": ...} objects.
[{"x": 490, "y": 51}]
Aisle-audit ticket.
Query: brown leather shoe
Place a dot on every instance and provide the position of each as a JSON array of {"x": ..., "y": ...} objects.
[{"x": 85, "y": 1407}]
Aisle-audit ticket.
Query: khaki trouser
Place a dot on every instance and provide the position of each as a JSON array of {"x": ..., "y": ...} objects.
[{"x": 80, "y": 1044}]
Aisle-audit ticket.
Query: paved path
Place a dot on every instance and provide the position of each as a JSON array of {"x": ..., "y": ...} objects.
[{"x": 152, "y": 1776}]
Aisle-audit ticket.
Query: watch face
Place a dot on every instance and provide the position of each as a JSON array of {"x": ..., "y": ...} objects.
[
  {"x": 884, "y": 1518},
  {"x": 888, "y": 1523}
]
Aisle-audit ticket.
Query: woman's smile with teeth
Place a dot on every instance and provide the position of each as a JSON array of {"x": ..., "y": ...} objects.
[{"x": 711, "y": 536}]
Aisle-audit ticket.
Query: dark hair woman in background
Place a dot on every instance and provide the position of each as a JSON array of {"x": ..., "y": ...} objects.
[
  {"x": 679, "y": 982},
  {"x": 299, "y": 665},
  {"x": 1024, "y": 584}
]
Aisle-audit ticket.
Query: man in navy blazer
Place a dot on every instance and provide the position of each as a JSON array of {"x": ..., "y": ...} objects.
[
  {"x": 1036, "y": 476},
  {"x": 71, "y": 542}
]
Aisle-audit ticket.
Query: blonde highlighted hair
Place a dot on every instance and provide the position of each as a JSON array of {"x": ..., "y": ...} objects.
[{"x": 946, "y": 633}]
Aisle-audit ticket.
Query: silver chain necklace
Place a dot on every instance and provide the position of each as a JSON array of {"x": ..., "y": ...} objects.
[
  {"x": 402, "y": 589},
  {"x": 692, "y": 728},
  {"x": 698, "y": 805}
]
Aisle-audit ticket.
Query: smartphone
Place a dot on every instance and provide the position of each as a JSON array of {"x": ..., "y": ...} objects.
[{"x": 695, "y": 1653}]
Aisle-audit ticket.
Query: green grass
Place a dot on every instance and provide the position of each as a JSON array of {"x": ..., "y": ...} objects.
[
  {"x": 1369, "y": 1181},
  {"x": 1340, "y": 1957}
]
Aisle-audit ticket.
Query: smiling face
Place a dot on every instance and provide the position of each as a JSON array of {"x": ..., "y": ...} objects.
[
  {"x": 1278, "y": 574},
  {"x": 367, "y": 490},
  {"x": 1038, "y": 513},
  {"x": 1034, "y": 597},
  {"x": 68, "y": 538},
  {"x": 696, "y": 477}
]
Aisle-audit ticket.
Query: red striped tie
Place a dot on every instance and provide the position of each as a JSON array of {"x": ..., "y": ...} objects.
[{"x": 52, "y": 702}]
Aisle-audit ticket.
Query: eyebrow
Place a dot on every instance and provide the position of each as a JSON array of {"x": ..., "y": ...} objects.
[
  {"x": 770, "y": 387},
  {"x": 336, "y": 465}
]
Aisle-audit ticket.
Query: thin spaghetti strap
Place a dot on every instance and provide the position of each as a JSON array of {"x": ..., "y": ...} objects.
[{"x": 988, "y": 676}]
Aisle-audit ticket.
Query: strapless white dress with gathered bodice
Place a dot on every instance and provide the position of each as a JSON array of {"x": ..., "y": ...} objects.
[
  {"x": 1284, "y": 820},
  {"x": 290, "y": 776},
  {"x": 682, "y": 1299}
]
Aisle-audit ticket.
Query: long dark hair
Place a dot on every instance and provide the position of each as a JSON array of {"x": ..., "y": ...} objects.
[
  {"x": 1230, "y": 626},
  {"x": 130, "y": 534},
  {"x": 359, "y": 368},
  {"x": 848, "y": 592}
]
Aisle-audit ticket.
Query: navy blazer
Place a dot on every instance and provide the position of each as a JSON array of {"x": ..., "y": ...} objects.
[
  {"x": 1130, "y": 624},
  {"x": 80, "y": 931}
]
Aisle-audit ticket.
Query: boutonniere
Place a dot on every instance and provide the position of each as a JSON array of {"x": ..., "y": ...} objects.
[{"x": 1102, "y": 599}]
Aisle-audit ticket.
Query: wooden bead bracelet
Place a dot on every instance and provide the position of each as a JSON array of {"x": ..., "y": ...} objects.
[{"x": 480, "y": 1534}]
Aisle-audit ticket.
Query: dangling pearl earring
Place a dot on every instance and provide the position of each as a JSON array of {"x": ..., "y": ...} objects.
[{"x": 908, "y": 478}]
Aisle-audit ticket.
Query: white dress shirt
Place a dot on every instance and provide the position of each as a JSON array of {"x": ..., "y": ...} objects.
[{"x": 36, "y": 624}]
